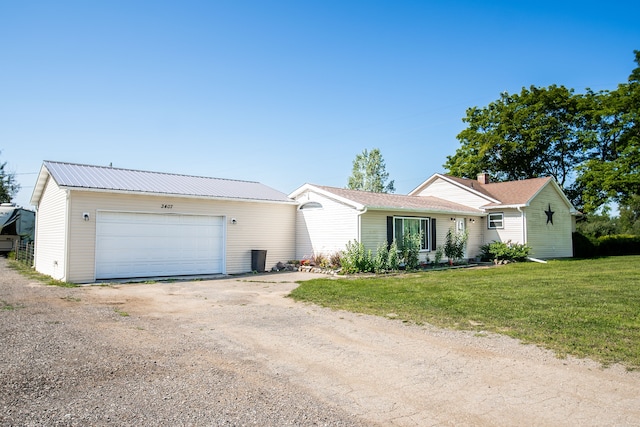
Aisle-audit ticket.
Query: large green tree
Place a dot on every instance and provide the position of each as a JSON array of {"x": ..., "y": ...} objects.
[
  {"x": 8, "y": 184},
  {"x": 590, "y": 143},
  {"x": 370, "y": 174},
  {"x": 526, "y": 135},
  {"x": 612, "y": 171}
]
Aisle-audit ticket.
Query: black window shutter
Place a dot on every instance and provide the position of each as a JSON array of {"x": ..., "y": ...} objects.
[
  {"x": 433, "y": 234},
  {"x": 389, "y": 231}
]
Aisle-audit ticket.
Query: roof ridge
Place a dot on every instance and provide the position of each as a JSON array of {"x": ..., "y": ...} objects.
[
  {"x": 518, "y": 180},
  {"x": 362, "y": 191},
  {"x": 372, "y": 199},
  {"x": 147, "y": 171}
]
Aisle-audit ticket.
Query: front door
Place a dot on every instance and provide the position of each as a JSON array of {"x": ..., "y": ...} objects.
[{"x": 461, "y": 224}]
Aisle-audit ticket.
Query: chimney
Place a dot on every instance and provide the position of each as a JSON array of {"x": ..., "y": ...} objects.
[{"x": 483, "y": 178}]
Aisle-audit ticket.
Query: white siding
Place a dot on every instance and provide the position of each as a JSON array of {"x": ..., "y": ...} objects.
[
  {"x": 549, "y": 240},
  {"x": 447, "y": 191},
  {"x": 374, "y": 230},
  {"x": 545, "y": 239},
  {"x": 266, "y": 226},
  {"x": 512, "y": 230},
  {"x": 51, "y": 232},
  {"x": 475, "y": 228},
  {"x": 324, "y": 230}
]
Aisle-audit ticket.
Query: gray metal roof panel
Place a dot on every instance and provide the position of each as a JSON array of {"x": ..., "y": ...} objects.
[{"x": 91, "y": 177}]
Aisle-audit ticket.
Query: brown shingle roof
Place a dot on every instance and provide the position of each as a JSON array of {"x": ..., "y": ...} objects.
[
  {"x": 396, "y": 201},
  {"x": 509, "y": 192}
]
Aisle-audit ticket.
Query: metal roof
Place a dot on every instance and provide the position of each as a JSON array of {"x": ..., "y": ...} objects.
[{"x": 105, "y": 178}]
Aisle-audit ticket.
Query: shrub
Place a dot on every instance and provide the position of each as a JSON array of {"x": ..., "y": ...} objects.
[
  {"x": 335, "y": 259},
  {"x": 583, "y": 246},
  {"x": 393, "y": 260},
  {"x": 454, "y": 244},
  {"x": 410, "y": 250},
  {"x": 356, "y": 259},
  {"x": 619, "y": 244},
  {"x": 611, "y": 245},
  {"x": 319, "y": 260},
  {"x": 381, "y": 258},
  {"x": 437, "y": 258},
  {"x": 505, "y": 251}
]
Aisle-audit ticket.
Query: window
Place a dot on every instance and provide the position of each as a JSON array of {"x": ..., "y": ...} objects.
[
  {"x": 407, "y": 225},
  {"x": 310, "y": 205},
  {"x": 496, "y": 220}
]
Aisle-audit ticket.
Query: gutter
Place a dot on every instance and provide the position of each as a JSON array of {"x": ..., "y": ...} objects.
[
  {"x": 182, "y": 196},
  {"x": 477, "y": 213},
  {"x": 36, "y": 228}
]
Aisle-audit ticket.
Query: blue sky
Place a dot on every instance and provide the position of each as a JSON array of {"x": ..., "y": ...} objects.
[{"x": 283, "y": 92}]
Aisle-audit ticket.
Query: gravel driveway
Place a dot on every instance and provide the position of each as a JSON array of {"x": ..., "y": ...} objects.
[{"x": 238, "y": 352}]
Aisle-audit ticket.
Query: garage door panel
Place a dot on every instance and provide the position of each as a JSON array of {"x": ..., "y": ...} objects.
[{"x": 144, "y": 245}]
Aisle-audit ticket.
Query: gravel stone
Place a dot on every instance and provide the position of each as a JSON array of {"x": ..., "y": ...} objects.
[
  {"x": 66, "y": 363},
  {"x": 238, "y": 352}
]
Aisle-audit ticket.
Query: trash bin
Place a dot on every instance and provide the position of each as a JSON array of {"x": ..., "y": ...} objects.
[{"x": 258, "y": 260}]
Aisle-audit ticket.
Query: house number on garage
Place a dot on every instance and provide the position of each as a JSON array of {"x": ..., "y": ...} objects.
[{"x": 163, "y": 206}]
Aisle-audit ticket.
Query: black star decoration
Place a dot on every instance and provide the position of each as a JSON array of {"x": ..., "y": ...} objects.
[{"x": 549, "y": 213}]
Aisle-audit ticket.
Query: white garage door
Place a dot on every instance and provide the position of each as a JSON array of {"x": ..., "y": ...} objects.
[{"x": 145, "y": 245}]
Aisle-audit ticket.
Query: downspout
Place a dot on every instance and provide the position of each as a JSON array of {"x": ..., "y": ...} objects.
[
  {"x": 35, "y": 235},
  {"x": 524, "y": 225},
  {"x": 67, "y": 235},
  {"x": 364, "y": 211}
]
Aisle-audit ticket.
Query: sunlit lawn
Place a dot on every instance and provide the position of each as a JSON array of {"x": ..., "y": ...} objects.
[{"x": 587, "y": 308}]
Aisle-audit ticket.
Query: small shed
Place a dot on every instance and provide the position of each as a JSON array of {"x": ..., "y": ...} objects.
[{"x": 96, "y": 223}]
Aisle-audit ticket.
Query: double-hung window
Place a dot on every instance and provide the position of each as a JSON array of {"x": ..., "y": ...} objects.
[
  {"x": 404, "y": 226},
  {"x": 495, "y": 220}
]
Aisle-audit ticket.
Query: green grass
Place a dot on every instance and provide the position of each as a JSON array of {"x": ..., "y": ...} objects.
[
  {"x": 586, "y": 308},
  {"x": 121, "y": 312},
  {"x": 8, "y": 306},
  {"x": 29, "y": 272}
]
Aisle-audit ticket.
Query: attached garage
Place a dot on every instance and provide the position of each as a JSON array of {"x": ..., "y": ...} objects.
[
  {"x": 131, "y": 244},
  {"x": 100, "y": 223}
]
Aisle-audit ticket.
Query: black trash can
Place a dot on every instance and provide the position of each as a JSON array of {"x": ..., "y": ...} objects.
[{"x": 258, "y": 260}]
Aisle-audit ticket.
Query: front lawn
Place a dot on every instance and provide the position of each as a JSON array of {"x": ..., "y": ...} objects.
[{"x": 586, "y": 308}]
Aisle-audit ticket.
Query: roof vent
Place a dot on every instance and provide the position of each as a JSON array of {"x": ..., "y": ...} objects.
[{"x": 483, "y": 178}]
